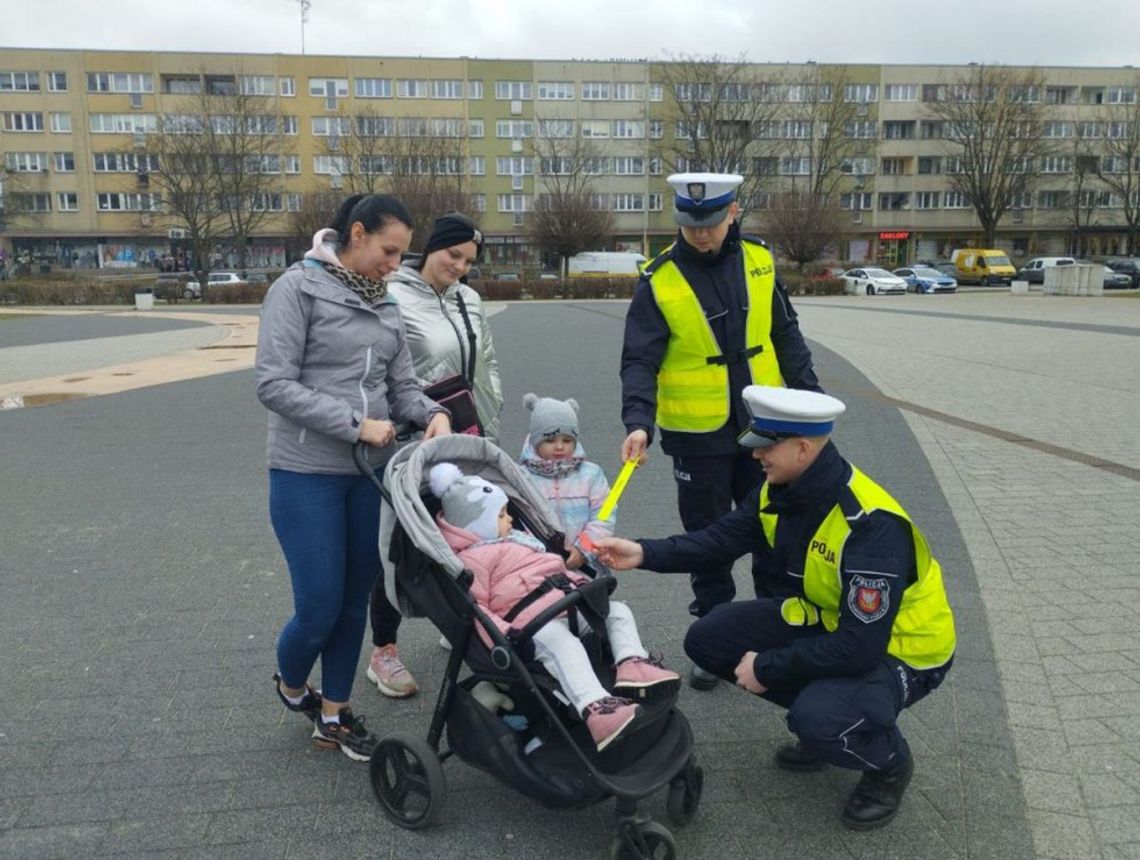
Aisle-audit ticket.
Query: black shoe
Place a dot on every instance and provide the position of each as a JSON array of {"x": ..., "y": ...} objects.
[
  {"x": 349, "y": 735},
  {"x": 699, "y": 679},
  {"x": 876, "y": 798},
  {"x": 310, "y": 704},
  {"x": 794, "y": 757}
]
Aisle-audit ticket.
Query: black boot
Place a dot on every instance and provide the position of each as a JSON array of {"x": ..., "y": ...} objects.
[
  {"x": 876, "y": 798},
  {"x": 795, "y": 758},
  {"x": 699, "y": 679}
]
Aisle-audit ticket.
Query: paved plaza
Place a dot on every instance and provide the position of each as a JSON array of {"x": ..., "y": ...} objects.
[{"x": 141, "y": 590}]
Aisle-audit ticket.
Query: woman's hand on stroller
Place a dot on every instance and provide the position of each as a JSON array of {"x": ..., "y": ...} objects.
[
  {"x": 439, "y": 425},
  {"x": 523, "y": 647},
  {"x": 619, "y": 553},
  {"x": 377, "y": 432}
]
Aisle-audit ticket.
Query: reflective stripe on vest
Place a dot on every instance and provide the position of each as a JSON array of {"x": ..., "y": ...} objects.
[
  {"x": 923, "y": 632},
  {"x": 692, "y": 394}
]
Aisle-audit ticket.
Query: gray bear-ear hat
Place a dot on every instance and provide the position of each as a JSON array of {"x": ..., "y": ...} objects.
[{"x": 550, "y": 417}]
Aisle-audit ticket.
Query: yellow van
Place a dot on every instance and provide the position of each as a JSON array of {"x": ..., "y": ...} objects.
[{"x": 983, "y": 266}]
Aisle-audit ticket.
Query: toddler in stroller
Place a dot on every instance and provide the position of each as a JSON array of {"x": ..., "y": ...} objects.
[{"x": 515, "y": 578}]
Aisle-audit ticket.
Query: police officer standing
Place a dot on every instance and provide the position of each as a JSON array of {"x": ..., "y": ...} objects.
[
  {"x": 868, "y": 631},
  {"x": 708, "y": 317}
]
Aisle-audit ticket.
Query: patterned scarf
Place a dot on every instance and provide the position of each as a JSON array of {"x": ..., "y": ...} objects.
[
  {"x": 369, "y": 290},
  {"x": 519, "y": 537},
  {"x": 553, "y": 468}
]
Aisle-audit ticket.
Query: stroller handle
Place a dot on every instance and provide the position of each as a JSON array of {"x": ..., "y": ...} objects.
[{"x": 360, "y": 457}]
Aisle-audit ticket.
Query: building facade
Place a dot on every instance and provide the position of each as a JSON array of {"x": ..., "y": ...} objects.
[{"x": 74, "y": 128}]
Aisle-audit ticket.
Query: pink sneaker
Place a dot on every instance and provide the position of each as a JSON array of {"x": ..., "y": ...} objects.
[
  {"x": 387, "y": 672},
  {"x": 636, "y": 675},
  {"x": 608, "y": 718}
]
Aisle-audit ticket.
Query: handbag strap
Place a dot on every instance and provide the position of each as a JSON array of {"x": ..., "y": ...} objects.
[{"x": 470, "y": 370}]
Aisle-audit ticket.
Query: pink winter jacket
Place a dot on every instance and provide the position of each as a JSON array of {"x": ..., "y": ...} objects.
[{"x": 505, "y": 572}]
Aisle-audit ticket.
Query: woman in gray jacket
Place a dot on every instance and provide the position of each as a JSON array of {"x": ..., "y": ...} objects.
[{"x": 333, "y": 368}]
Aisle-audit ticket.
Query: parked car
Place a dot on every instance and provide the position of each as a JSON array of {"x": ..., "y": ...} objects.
[
  {"x": 1114, "y": 280},
  {"x": 872, "y": 282},
  {"x": 193, "y": 290},
  {"x": 923, "y": 279},
  {"x": 507, "y": 276},
  {"x": 1034, "y": 270},
  {"x": 1129, "y": 266}
]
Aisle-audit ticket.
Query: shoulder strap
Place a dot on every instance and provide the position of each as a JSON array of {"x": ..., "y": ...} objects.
[{"x": 470, "y": 370}]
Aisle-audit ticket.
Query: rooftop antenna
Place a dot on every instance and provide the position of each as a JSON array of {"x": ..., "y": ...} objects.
[{"x": 305, "y": 6}]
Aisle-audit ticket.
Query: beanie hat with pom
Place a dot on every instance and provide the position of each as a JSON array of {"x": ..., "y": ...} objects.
[
  {"x": 550, "y": 417},
  {"x": 469, "y": 502}
]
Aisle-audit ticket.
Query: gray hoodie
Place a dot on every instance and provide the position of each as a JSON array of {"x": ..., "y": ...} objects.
[
  {"x": 326, "y": 361},
  {"x": 438, "y": 339}
]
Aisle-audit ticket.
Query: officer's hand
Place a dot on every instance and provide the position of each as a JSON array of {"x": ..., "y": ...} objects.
[
  {"x": 746, "y": 676},
  {"x": 619, "y": 553},
  {"x": 634, "y": 446}
]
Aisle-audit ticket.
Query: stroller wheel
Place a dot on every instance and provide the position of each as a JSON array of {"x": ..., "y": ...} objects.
[
  {"x": 685, "y": 794},
  {"x": 646, "y": 841},
  {"x": 407, "y": 779}
]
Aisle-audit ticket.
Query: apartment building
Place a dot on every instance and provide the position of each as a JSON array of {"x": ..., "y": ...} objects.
[{"x": 74, "y": 127}]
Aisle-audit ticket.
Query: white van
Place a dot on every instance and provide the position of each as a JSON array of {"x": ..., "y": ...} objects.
[
  {"x": 1034, "y": 270},
  {"x": 606, "y": 264}
]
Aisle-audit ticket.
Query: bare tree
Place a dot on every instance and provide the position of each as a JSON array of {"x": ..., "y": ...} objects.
[
  {"x": 991, "y": 120},
  {"x": 315, "y": 213},
  {"x": 1119, "y": 167},
  {"x": 21, "y": 193},
  {"x": 802, "y": 225},
  {"x": 719, "y": 110},
  {"x": 567, "y": 218},
  {"x": 1085, "y": 195}
]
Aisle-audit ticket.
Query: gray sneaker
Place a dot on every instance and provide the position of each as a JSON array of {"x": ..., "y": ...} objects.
[{"x": 349, "y": 736}]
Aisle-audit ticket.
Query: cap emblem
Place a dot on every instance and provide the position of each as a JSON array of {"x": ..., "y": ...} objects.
[{"x": 696, "y": 191}]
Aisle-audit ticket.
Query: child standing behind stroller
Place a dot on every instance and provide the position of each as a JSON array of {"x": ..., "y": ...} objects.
[
  {"x": 515, "y": 578},
  {"x": 575, "y": 487}
]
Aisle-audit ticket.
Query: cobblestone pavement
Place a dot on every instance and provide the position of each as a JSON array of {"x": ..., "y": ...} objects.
[{"x": 142, "y": 591}]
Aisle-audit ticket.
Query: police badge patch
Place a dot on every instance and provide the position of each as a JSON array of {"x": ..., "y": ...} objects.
[
  {"x": 696, "y": 191},
  {"x": 869, "y": 598}
]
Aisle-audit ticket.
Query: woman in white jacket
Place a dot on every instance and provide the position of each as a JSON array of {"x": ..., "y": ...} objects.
[{"x": 442, "y": 317}]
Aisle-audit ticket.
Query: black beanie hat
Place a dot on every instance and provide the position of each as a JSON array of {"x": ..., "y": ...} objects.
[{"x": 451, "y": 229}]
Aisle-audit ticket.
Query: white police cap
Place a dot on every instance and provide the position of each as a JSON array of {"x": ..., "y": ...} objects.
[
  {"x": 780, "y": 413},
  {"x": 702, "y": 199}
]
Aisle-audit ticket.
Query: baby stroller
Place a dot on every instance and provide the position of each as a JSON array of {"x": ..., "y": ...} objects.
[{"x": 542, "y": 748}]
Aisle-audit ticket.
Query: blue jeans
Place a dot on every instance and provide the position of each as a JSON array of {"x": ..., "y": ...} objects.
[{"x": 328, "y": 527}]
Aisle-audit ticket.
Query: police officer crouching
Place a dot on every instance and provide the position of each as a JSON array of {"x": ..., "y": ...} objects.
[
  {"x": 869, "y": 631},
  {"x": 708, "y": 318}
]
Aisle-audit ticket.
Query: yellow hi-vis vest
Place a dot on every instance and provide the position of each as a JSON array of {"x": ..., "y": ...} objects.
[
  {"x": 692, "y": 383},
  {"x": 923, "y": 632}
]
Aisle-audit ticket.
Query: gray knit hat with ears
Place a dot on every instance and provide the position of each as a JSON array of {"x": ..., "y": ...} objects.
[
  {"x": 469, "y": 502},
  {"x": 549, "y": 417}
]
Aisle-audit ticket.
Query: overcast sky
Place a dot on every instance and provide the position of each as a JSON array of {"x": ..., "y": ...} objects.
[{"x": 1038, "y": 32}]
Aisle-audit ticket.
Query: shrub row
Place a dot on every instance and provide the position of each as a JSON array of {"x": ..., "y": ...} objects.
[{"x": 811, "y": 285}]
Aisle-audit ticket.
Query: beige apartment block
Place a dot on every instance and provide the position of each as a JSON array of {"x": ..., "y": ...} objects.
[{"x": 76, "y": 190}]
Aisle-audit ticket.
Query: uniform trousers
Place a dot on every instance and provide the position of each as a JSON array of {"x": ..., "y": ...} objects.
[{"x": 846, "y": 721}]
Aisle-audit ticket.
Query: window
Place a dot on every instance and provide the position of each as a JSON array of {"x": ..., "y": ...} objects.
[
  {"x": 860, "y": 130},
  {"x": 857, "y": 201},
  {"x": 1052, "y": 200},
  {"x": 514, "y": 203},
  {"x": 894, "y": 166},
  {"x": 31, "y": 202},
  {"x": 124, "y": 162},
  {"x": 474, "y": 128},
  {"x": 412, "y": 89},
  {"x": 629, "y": 165},
  {"x": 447, "y": 89},
  {"x": 1121, "y": 96},
  {"x": 513, "y": 91},
  {"x": 556, "y": 165},
  {"x": 182, "y": 85},
  {"x": 900, "y": 93},
  {"x": 515, "y": 166},
  {"x": 797, "y": 129},
  {"x": 655, "y": 202},
  {"x": 57, "y": 82},
  {"x": 331, "y": 165},
  {"x": 287, "y": 86},
  {"x": 861, "y": 93},
  {"x": 894, "y": 201},
  {"x": 1056, "y": 129},
  {"x": 795, "y": 166},
  {"x": 956, "y": 200},
  {"x": 515, "y": 129},
  {"x": 929, "y": 164},
  {"x": 1021, "y": 200},
  {"x": 1025, "y": 94},
  {"x": 443, "y": 126},
  {"x": 657, "y": 92},
  {"x": 127, "y": 202},
  {"x": 555, "y": 91},
  {"x": 63, "y": 162},
  {"x": 1059, "y": 95},
  {"x": 1090, "y": 130},
  {"x": 629, "y": 92},
  {"x": 595, "y": 128},
  {"x": 898, "y": 130},
  {"x": 333, "y": 87},
  {"x": 656, "y": 129},
  {"x": 27, "y": 162},
  {"x": 926, "y": 199},
  {"x": 266, "y": 201},
  {"x": 1057, "y": 164},
  {"x": 375, "y": 126},
  {"x": 628, "y": 202},
  {"x": 293, "y": 201},
  {"x": 556, "y": 128},
  {"x": 258, "y": 85},
  {"x": 373, "y": 88},
  {"x": 689, "y": 131},
  {"x": 595, "y": 91},
  {"x": 377, "y": 164},
  {"x": 17, "y": 122},
  {"x": 1117, "y": 130},
  {"x": 223, "y": 124},
  {"x": 477, "y": 165},
  {"x": 119, "y": 82},
  {"x": 332, "y": 126},
  {"x": 474, "y": 90},
  {"x": 292, "y": 164},
  {"x": 264, "y": 163},
  {"x": 289, "y": 125},
  {"x": 67, "y": 201},
  {"x": 858, "y": 166},
  {"x": 124, "y": 123},
  {"x": 596, "y": 166},
  {"x": 628, "y": 128},
  {"x": 261, "y": 124},
  {"x": 19, "y": 82},
  {"x": 179, "y": 123},
  {"x": 479, "y": 202}
]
